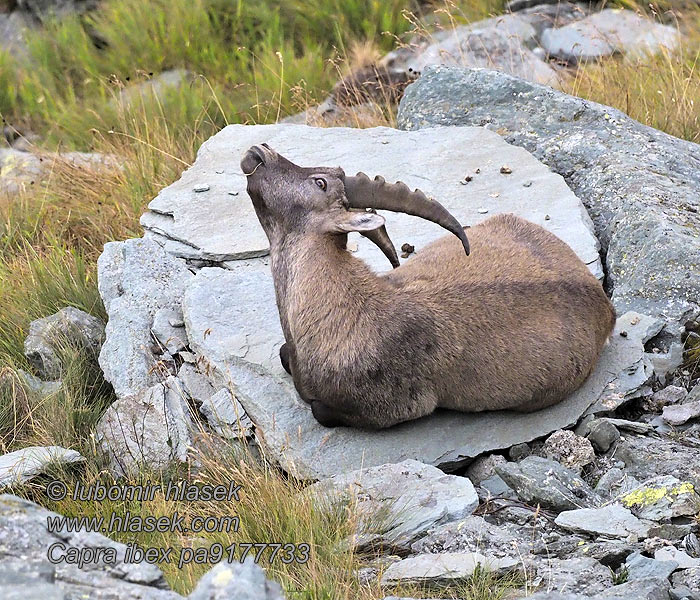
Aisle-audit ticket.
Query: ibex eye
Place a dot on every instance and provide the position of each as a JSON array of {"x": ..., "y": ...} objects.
[{"x": 321, "y": 183}]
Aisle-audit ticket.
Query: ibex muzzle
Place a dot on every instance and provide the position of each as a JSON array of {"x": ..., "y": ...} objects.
[{"x": 517, "y": 324}]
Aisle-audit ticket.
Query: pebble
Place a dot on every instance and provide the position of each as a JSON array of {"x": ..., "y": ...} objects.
[
  {"x": 506, "y": 170},
  {"x": 201, "y": 188},
  {"x": 482, "y": 211}
]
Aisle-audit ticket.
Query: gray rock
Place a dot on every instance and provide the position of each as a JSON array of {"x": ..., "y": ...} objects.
[
  {"x": 196, "y": 385},
  {"x": 46, "y": 336},
  {"x": 151, "y": 429},
  {"x": 41, "y": 9},
  {"x": 499, "y": 43},
  {"x": 519, "y": 451},
  {"x": 651, "y": 588},
  {"x": 569, "y": 449},
  {"x": 670, "y": 553},
  {"x": 244, "y": 581},
  {"x": 678, "y": 414},
  {"x": 171, "y": 337},
  {"x": 608, "y": 32},
  {"x": 602, "y": 434},
  {"x": 666, "y": 363},
  {"x": 646, "y": 456},
  {"x": 484, "y": 467},
  {"x": 13, "y": 26},
  {"x": 136, "y": 279},
  {"x": 22, "y": 465},
  {"x": 581, "y": 575},
  {"x": 641, "y": 186},
  {"x": 37, "y": 386},
  {"x": 663, "y": 498},
  {"x": 672, "y": 394},
  {"x": 411, "y": 497},
  {"x": 689, "y": 578},
  {"x": 615, "y": 483},
  {"x": 442, "y": 570},
  {"x": 538, "y": 480},
  {"x": 155, "y": 88},
  {"x": 613, "y": 520},
  {"x": 495, "y": 487},
  {"x": 25, "y": 543},
  {"x": 21, "y": 170},
  {"x": 473, "y": 534},
  {"x": 641, "y": 567},
  {"x": 226, "y": 416},
  {"x": 218, "y": 227}
]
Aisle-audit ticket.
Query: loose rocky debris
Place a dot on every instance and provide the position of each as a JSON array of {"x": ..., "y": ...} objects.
[
  {"x": 612, "y": 520},
  {"x": 397, "y": 503},
  {"x": 641, "y": 186},
  {"x": 47, "y": 336},
  {"x": 22, "y": 465}
]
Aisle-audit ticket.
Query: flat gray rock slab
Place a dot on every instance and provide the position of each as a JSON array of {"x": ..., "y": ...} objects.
[
  {"x": 22, "y": 465},
  {"x": 411, "y": 498},
  {"x": 613, "y": 520},
  {"x": 440, "y": 570},
  {"x": 228, "y": 581},
  {"x": 215, "y": 225},
  {"x": 232, "y": 322},
  {"x": 609, "y": 31}
]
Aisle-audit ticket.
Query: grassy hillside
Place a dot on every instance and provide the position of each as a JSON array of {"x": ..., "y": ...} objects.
[{"x": 251, "y": 62}]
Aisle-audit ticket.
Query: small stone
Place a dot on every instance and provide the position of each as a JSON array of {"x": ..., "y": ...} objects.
[
  {"x": 484, "y": 467},
  {"x": 615, "y": 482},
  {"x": 506, "y": 170},
  {"x": 204, "y": 187},
  {"x": 226, "y": 416},
  {"x": 689, "y": 578},
  {"x": 547, "y": 218},
  {"x": 623, "y": 333},
  {"x": 571, "y": 450},
  {"x": 233, "y": 193},
  {"x": 678, "y": 414},
  {"x": 519, "y": 451},
  {"x": 602, "y": 434},
  {"x": 407, "y": 248},
  {"x": 482, "y": 211},
  {"x": 466, "y": 180},
  {"x": 527, "y": 184}
]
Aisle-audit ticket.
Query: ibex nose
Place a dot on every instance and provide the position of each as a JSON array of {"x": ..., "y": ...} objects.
[{"x": 252, "y": 160}]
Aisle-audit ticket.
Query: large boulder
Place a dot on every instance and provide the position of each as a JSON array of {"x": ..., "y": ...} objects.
[{"x": 641, "y": 186}]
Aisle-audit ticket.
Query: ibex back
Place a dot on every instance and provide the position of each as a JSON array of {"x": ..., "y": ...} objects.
[{"x": 516, "y": 324}]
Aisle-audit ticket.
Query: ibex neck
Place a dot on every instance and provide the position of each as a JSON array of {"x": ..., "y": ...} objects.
[{"x": 323, "y": 292}]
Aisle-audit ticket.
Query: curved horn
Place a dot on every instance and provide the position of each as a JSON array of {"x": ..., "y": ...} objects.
[
  {"x": 380, "y": 238},
  {"x": 362, "y": 192}
]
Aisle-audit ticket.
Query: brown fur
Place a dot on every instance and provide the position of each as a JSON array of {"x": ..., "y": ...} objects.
[{"x": 519, "y": 324}]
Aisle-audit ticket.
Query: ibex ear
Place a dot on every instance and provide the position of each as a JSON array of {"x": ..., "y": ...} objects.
[{"x": 357, "y": 221}]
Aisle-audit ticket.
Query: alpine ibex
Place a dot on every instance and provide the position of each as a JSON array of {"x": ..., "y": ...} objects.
[{"x": 517, "y": 324}]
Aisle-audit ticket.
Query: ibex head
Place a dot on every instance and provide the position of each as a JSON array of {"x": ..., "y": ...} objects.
[{"x": 288, "y": 198}]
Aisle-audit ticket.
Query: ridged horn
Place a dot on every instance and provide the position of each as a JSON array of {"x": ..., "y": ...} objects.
[
  {"x": 380, "y": 238},
  {"x": 363, "y": 192}
]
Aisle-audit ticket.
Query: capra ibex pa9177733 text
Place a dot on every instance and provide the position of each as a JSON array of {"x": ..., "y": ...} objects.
[{"x": 516, "y": 322}]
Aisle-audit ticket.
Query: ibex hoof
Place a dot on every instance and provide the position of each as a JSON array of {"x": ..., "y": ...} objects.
[
  {"x": 284, "y": 357},
  {"x": 325, "y": 415}
]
